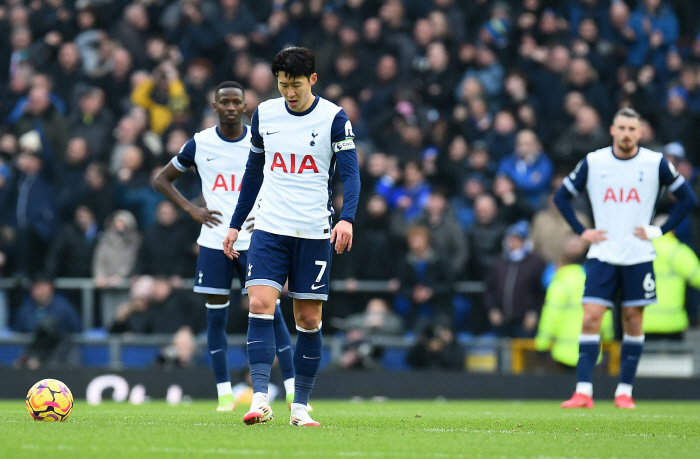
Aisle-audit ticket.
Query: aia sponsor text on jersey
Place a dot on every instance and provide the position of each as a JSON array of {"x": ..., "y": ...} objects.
[
  {"x": 621, "y": 195},
  {"x": 307, "y": 163}
]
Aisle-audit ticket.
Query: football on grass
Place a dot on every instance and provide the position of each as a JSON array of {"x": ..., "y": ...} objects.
[{"x": 49, "y": 400}]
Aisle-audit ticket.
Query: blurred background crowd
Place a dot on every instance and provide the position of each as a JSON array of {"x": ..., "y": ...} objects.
[{"x": 467, "y": 115}]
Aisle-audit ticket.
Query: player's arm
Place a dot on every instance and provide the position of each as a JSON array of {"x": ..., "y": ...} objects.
[
  {"x": 343, "y": 144},
  {"x": 686, "y": 200},
  {"x": 164, "y": 183},
  {"x": 573, "y": 184},
  {"x": 250, "y": 187}
]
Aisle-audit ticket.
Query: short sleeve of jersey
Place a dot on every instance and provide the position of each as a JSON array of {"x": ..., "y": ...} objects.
[
  {"x": 256, "y": 140},
  {"x": 185, "y": 159},
  {"x": 342, "y": 136},
  {"x": 669, "y": 176},
  {"x": 575, "y": 182}
]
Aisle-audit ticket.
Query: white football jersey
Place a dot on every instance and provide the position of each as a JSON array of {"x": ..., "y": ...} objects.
[
  {"x": 220, "y": 163},
  {"x": 299, "y": 149},
  {"x": 623, "y": 195}
]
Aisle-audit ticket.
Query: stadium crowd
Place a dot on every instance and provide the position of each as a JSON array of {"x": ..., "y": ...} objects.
[{"x": 467, "y": 116}]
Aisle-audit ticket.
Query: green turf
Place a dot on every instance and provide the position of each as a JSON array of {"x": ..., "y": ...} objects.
[{"x": 413, "y": 429}]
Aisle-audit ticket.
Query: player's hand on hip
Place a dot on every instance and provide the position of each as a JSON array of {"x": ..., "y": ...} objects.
[
  {"x": 229, "y": 240},
  {"x": 205, "y": 216},
  {"x": 594, "y": 236},
  {"x": 250, "y": 224},
  {"x": 647, "y": 233},
  {"x": 342, "y": 236}
]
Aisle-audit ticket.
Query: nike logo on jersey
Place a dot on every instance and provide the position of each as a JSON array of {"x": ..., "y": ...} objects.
[
  {"x": 251, "y": 342},
  {"x": 211, "y": 159},
  {"x": 282, "y": 349},
  {"x": 311, "y": 358},
  {"x": 270, "y": 133},
  {"x": 648, "y": 295},
  {"x": 214, "y": 352},
  {"x": 316, "y": 287}
]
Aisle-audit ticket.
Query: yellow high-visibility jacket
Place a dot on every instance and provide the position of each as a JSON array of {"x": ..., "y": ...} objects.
[
  {"x": 562, "y": 316},
  {"x": 675, "y": 265}
]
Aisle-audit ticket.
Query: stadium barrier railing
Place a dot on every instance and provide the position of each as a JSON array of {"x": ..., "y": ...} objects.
[{"x": 483, "y": 354}]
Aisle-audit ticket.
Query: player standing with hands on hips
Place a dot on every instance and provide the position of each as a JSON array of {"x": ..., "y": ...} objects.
[
  {"x": 297, "y": 141},
  {"x": 219, "y": 153},
  {"x": 623, "y": 183}
]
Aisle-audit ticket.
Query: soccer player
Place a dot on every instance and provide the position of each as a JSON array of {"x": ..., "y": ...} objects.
[
  {"x": 219, "y": 155},
  {"x": 623, "y": 183},
  {"x": 297, "y": 140}
]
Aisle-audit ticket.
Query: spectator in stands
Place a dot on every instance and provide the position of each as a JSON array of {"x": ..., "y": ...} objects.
[
  {"x": 116, "y": 84},
  {"x": 51, "y": 319},
  {"x": 115, "y": 253},
  {"x": 34, "y": 199},
  {"x": 562, "y": 313},
  {"x": 582, "y": 77},
  {"x": 448, "y": 238},
  {"x": 182, "y": 352},
  {"x": 93, "y": 121},
  {"x": 484, "y": 238},
  {"x": 171, "y": 309},
  {"x": 529, "y": 167},
  {"x": 40, "y": 114},
  {"x": 513, "y": 205},
  {"x": 377, "y": 320},
  {"x": 501, "y": 139},
  {"x": 71, "y": 252},
  {"x": 676, "y": 122},
  {"x": 436, "y": 348},
  {"x": 132, "y": 32},
  {"x": 165, "y": 249},
  {"x": 132, "y": 316},
  {"x": 407, "y": 199},
  {"x": 424, "y": 280},
  {"x": 514, "y": 292},
  {"x": 67, "y": 74},
  {"x": 584, "y": 136},
  {"x": 70, "y": 177},
  {"x": 654, "y": 28},
  {"x": 163, "y": 95},
  {"x": 98, "y": 194}
]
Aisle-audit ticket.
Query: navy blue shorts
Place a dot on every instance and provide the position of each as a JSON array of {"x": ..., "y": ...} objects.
[
  {"x": 306, "y": 262},
  {"x": 636, "y": 283},
  {"x": 215, "y": 271}
]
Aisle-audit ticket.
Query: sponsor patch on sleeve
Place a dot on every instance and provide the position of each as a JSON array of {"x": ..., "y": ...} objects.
[{"x": 343, "y": 145}]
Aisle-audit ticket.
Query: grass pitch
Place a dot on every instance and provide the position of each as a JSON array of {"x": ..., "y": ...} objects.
[{"x": 391, "y": 429}]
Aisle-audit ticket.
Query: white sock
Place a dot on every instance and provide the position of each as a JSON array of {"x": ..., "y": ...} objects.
[
  {"x": 259, "y": 399},
  {"x": 224, "y": 388},
  {"x": 623, "y": 389},
  {"x": 289, "y": 386},
  {"x": 299, "y": 406},
  {"x": 584, "y": 388}
]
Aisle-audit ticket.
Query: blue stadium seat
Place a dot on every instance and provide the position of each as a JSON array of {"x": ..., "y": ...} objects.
[
  {"x": 139, "y": 356},
  {"x": 94, "y": 355},
  {"x": 9, "y": 353},
  {"x": 395, "y": 359}
]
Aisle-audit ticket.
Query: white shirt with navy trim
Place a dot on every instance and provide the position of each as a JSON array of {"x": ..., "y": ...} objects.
[
  {"x": 623, "y": 195},
  {"x": 300, "y": 157},
  {"x": 220, "y": 163}
]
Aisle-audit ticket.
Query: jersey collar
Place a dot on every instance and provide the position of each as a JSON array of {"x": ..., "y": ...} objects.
[
  {"x": 226, "y": 139},
  {"x": 612, "y": 152},
  {"x": 305, "y": 112}
]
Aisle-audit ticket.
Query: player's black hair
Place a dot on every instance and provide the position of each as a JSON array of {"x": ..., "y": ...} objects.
[
  {"x": 295, "y": 62},
  {"x": 228, "y": 84},
  {"x": 627, "y": 112}
]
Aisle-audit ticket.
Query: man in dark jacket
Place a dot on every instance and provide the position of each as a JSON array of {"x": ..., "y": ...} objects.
[
  {"x": 70, "y": 255},
  {"x": 424, "y": 280},
  {"x": 514, "y": 292}
]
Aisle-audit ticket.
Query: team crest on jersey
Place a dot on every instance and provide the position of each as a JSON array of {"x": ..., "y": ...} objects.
[{"x": 313, "y": 138}]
